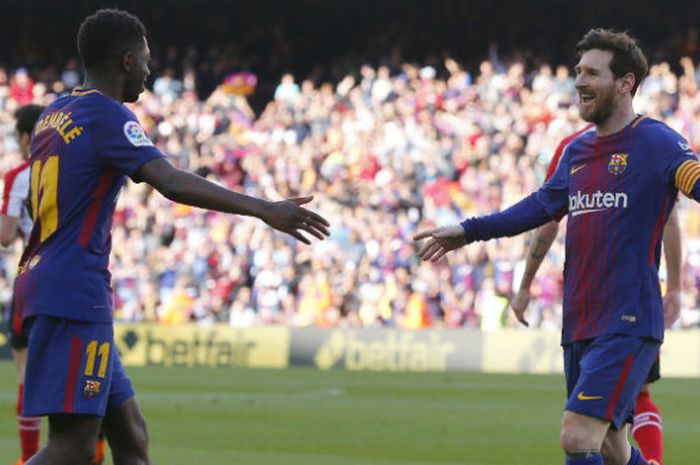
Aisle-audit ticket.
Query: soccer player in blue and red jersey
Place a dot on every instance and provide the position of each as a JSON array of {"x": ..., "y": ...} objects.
[
  {"x": 647, "y": 423},
  {"x": 84, "y": 146},
  {"x": 618, "y": 185},
  {"x": 16, "y": 222}
]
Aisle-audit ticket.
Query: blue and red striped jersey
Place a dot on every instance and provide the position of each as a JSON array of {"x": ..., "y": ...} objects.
[
  {"x": 618, "y": 191},
  {"x": 554, "y": 162},
  {"x": 621, "y": 190},
  {"x": 83, "y": 147}
]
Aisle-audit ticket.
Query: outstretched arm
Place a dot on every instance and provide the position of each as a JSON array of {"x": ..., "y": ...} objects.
[
  {"x": 540, "y": 245},
  {"x": 673, "y": 256},
  {"x": 533, "y": 211},
  {"x": 184, "y": 187}
]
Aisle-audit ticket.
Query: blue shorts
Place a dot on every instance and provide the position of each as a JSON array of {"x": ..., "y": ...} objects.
[
  {"x": 604, "y": 375},
  {"x": 72, "y": 367}
]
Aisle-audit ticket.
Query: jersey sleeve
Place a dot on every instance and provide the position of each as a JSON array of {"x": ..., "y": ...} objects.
[
  {"x": 554, "y": 162},
  {"x": 681, "y": 169},
  {"x": 548, "y": 203},
  {"x": 122, "y": 144}
]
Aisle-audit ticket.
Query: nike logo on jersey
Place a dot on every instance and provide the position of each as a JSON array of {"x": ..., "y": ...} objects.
[
  {"x": 582, "y": 396},
  {"x": 575, "y": 169}
]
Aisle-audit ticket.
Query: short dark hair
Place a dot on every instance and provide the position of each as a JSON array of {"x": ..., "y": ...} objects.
[
  {"x": 107, "y": 34},
  {"x": 26, "y": 116},
  {"x": 627, "y": 55}
]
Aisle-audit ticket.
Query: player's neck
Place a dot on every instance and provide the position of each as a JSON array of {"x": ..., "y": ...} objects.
[
  {"x": 621, "y": 116},
  {"x": 105, "y": 85}
]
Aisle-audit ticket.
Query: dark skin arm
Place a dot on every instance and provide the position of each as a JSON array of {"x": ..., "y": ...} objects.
[{"x": 184, "y": 187}]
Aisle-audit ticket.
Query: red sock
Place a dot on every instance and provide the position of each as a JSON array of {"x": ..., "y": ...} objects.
[
  {"x": 29, "y": 429},
  {"x": 647, "y": 429}
]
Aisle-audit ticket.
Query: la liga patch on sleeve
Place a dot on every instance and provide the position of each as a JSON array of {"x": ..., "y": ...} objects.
[{"x": 136, "y": 134}]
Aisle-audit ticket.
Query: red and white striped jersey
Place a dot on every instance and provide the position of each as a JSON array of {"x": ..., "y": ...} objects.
[{"x": 15, "y": 198}]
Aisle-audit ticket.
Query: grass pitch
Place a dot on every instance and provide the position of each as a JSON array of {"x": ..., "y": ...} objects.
[{"x": 308, "y": 417}]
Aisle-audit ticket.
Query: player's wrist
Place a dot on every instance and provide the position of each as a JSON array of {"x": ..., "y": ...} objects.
[
  {"x": 469, "y": 228},
  {"x": 260, "y": 208}
]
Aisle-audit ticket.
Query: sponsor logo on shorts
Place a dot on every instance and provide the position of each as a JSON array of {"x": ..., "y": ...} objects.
[
  {"x": 582, "y": 396},
  {"x": 91, "y": 389}
]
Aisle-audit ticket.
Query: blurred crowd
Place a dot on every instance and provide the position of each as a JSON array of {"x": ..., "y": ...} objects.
[{"x": 385, "y": 151}]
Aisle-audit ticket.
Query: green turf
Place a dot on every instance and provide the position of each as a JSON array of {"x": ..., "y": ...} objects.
[{"x": 308, "y": 417}]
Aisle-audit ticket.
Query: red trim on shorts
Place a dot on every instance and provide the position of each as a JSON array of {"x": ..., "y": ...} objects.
[
  {"x": 94, "y": 208},
  {"x": 76, "y": 356},
  {"x": 619, "y": 386}
]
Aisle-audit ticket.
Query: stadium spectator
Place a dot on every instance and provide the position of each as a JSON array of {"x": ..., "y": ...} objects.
[{"x": 386, "y": 147}]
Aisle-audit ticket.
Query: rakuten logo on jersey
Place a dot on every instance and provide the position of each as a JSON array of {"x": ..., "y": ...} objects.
[{"x": 581, "y": 204}]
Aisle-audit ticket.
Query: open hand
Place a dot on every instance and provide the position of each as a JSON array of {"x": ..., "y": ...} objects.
[
  {"x": 290, "y": 217},
  {"x": 441, "y": 241},
  {"x": 672, "y": 307},
  {"x": 519, "y": 305}
]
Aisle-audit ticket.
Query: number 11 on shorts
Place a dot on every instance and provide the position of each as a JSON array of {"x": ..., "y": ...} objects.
[{"x": 92, "y": 352}]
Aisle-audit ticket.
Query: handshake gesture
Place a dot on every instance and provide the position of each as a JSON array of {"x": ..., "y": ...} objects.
[{"x": 440, "y": 241}]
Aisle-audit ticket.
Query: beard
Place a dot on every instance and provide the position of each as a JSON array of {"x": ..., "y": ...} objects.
[{"x": 601, "y": 109}]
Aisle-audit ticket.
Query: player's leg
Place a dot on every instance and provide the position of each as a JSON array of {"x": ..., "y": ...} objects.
[
  {"x": 604, "y": 376},
  {"x": 617, "y": 450},
  {"x": 29, "y": 428},
  {"x": 581, "y": 438},
  {"x": 71, "y": 440},
  {"x": 69, "y": 373},
  {"x": 124, "y": 424},
  {"x": 126, "y": 432},
  {"x": 581, "y": 435},
  {"x": 647, "y": 428}
]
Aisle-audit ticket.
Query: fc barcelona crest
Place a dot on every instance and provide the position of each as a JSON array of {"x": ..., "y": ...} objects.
[
  {"x": 91, "y": 389},
  {"x": 618, "y": 163}
]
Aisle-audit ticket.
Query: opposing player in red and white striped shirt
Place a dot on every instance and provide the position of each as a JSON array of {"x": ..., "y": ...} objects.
[{"x": 16, "y": 222}]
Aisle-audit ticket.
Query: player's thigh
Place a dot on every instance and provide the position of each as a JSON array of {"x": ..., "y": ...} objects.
[
  {"x": 73, "y": 437},
  {"x": 69, "y": 367},
  {"x": 610, "y": 372},
  {"x": 582, "y": 432},
  {"x": 125, "y": 428}
]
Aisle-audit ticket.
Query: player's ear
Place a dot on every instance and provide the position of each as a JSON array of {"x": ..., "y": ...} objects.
[
  {"x": 25, "y": 139},
  {"x": 128, "y": 60},
  {"x": 627, "y": 83}
]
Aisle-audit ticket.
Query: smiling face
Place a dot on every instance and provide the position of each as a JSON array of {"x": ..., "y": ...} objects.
[
  {"x": 596, "y": 85},
  {"x": 137, "y": 71}
]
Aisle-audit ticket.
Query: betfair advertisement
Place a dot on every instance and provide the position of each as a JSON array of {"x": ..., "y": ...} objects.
[
  {"x": 366, "y": 349},
  {"x": 214, "y": 346},
  {"x": 380, "y": 349}
]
